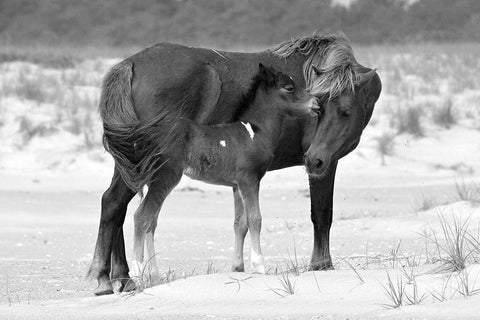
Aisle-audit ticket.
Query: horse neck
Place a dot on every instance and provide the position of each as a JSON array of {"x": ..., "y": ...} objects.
[{"x": 265, "y": 117}]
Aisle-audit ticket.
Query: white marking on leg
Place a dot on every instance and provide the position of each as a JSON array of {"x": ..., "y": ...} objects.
[
  {"x": 136, "y": 269},
  {"x": 249, "y": 129},
  {"x": 151, "y": 257},
  {"x": 257, "y": 261},
  {"x": 223, "y": 143}
]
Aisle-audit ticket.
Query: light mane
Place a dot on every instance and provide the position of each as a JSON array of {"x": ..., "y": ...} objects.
[{"x": 332, "y": 54}]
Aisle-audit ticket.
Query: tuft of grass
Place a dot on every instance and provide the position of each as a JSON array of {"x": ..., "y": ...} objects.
[
  {"x": 169, "y": 276},
  {"x": 454, "y": 249},
  {"x": 30, "y": 88},
  {"x": 395, "y": 253},
  {"x": 410, "y": 268},
  {"x": 398, "y": 295},
  {"x": 395, "y": 292},
  {"x": 28, "y": 130},
  {"x": 443, "y": 116},
  {"x": 211, "y": 268},
  {"x": 294, "y": 266},
  {"x": 408, "y": 120},
  {"x": 426, "y": 203},
  {"x": 466, "y": 288},
  {"x": 466, "y": 192},
  {"x": 414, "y": 298},
  {"x": 287, "y": 287},
  {"x": 441, "y": 296},
  {"x": 385, "y": 146}
]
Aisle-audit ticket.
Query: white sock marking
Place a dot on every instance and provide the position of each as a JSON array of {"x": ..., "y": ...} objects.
[{"x": 136, "y": 269}]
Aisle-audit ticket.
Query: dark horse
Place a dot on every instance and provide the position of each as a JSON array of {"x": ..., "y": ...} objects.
[
  {"x": 236, "y": 154},
  {"x": 205, "y": 85}
]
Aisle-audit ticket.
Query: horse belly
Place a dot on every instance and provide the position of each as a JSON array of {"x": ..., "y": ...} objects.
[{"x": 197, "y": 174}]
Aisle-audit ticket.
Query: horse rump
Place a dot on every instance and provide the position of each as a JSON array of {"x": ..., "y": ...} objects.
[{"x": 139, "y": 148}]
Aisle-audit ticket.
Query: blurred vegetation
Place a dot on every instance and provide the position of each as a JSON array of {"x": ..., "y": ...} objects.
[{"x": 232, "y": 23}]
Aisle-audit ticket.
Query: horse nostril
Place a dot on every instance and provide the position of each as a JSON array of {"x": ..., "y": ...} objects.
[{"x": 318, "y": 163}]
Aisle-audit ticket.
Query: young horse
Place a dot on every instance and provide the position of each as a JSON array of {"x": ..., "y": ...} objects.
[{"x": 236, "y": 154}]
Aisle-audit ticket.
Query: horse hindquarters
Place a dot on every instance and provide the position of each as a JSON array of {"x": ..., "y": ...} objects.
[{"x": 145, "y": 220}]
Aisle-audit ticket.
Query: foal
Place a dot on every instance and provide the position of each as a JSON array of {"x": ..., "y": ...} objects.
[{"x": 235, "y": 154}]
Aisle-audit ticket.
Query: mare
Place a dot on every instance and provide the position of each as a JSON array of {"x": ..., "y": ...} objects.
[{"x": 205, "y": 85}]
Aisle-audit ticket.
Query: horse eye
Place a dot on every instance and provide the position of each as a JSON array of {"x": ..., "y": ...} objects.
[
  {"x": 289, "y": 88},
  {"x": 345, "y": 113}
]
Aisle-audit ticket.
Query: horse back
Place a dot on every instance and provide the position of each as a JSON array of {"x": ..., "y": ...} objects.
[{"x": 204, "y": 85}]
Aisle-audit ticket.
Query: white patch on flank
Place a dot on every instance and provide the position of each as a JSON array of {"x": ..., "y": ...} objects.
[
  {"x": 222, "y": 143},
  {"x": 249, "y": 129}
]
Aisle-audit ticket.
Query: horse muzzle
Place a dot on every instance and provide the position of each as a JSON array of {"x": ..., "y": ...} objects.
[{"x": 316, "y": 166}]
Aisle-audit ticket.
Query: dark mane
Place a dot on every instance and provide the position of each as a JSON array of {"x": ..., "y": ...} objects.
[{"x": 248, "y": 97}]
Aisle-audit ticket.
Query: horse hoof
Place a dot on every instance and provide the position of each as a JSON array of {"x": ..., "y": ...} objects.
[
  {"x": 128, "y": 285},
  {"x": 321, "y": 265},
  {"x": 104, "y": 288},
  {"x": 123, "y": 284},
  {"x": 240, "y": 268}
]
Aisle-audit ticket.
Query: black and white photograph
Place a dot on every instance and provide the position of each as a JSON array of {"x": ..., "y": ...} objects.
[{"x": 240, "y": 159}]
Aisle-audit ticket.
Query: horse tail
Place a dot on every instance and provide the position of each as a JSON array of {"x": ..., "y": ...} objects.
[{"x": 139, "y": 148}]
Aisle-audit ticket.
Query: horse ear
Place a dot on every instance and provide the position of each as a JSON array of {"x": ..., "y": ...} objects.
[
  {"x": 373, "y": 92},
  {"x": 365, "y": 78},
  {"x": 261, "y": 67},
  {"x": 269, "y": 74}
]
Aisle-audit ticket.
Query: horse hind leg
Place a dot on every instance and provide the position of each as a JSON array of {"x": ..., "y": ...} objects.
[
  {"x": 145, "y": 221},
  {"x": 249, "y": 189},
  {"x": 241, "y": 229},
  {"x": 110, "y": 236}
]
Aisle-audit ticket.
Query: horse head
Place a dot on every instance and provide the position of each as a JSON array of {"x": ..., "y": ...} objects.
[{"x": 340, "y": 122}]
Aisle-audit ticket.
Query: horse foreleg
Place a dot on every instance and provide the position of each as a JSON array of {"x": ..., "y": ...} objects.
[
  {"x": 321, "y": 194},
  {"x": 241, "y": 228},
  {"x": 110, "y": 233},
  {"x": 249, "y": 193}
]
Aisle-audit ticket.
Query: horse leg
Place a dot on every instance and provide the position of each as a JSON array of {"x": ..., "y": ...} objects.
[
  {"x": 249, "y": 192},
  {"x": 241, "y": 228},
  {"x": 321, "y": 194},
  {"x": 150, "y": 251},
  {"x": 114, "y": 207},
  {"x": 119, "y": 274},
  {"x": 145, "y": 220}
]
